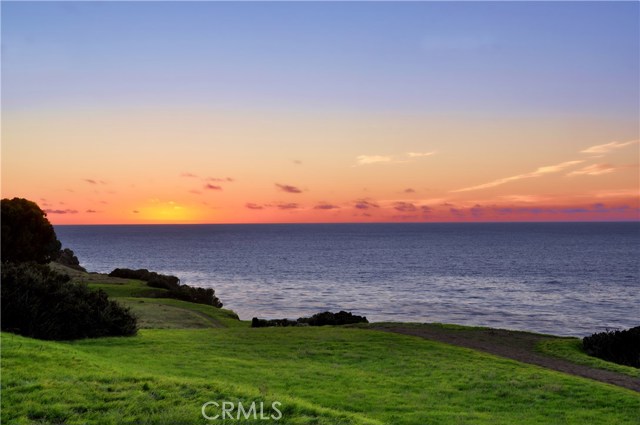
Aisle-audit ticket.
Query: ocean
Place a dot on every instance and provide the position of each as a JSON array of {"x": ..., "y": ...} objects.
[{"x": 558, "y": 278}]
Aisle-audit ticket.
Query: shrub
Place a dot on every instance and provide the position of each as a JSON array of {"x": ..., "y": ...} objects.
[
  {"x": 263, "y": 323},
  {"x": 68, "y": 258},
  {"x": 153, "y": 279},
  {"x": 622, "y": 347},
  {"x": 27, "y": 235},
  {"x": 320, "y": 319},
  {"x": 328, "y": 318},
  {"x": 172, "y": 285},
  {"x": 40, "y": 303}
]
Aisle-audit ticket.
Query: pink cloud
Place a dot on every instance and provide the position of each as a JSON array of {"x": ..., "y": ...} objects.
[
  {"x": 287, "y": 188},
  {"x": 67, "y": 211},
  {"x": 364, "y": 204},
  {"x": 404, "y": 206},
  {"x": 92, "y": 181},
  {"x": 324, "y": 206},
  {"x": 289, "y": 206}
]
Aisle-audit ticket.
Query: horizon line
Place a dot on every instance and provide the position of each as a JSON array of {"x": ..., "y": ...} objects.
[{"x": 356, "y": 222}]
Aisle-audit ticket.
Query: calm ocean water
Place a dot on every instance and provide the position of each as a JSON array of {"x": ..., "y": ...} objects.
[{"x": 560, "y": 278}]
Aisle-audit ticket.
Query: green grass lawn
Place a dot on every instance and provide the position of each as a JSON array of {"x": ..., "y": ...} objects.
[
  {"x": 571, "y": 349},
  {"x": 194, "y": 353},
  {"x": 321, "y": 375}
]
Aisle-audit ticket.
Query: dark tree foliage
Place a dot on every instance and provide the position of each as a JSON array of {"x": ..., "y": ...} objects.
[
  {"x": 622, "y": 347},
  {"x": 172, "y": 285},
  {"x": 27, "y": 235},
  {"x": 153, "y": 279},
  {"x": 264, "y": 323},
  {"x": 40, "y": 303},
  {"x": 320, "y": 319},
  {"x": 328, "y": 318},
  {"x": 68, "y": 258}
]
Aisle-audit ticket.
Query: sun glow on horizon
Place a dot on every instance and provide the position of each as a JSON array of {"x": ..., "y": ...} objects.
[{"x": 167, "y": 212}]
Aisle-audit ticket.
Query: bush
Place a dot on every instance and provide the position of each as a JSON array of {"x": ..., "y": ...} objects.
[
  {"x": 328, "y": 318},
  {"x": 68, "y": 258},
  {"x": 153, "y": 279},
  {"x": 40, "y": 303},
  {"x": 27, "y": 235},
  {"x": 320, "y": 319},
  {"x": 263, "y": 323},
  {"x": 172, "y": 285},
  {"x": 622, "y": 347}
]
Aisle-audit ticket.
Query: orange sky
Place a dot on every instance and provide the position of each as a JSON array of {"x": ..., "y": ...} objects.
[
  {"x": 201, "y": 166},
  {"x": 217, "y": 112}
]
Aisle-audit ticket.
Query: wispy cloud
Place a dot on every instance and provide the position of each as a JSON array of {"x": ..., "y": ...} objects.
[
  {"x": 93, "y": 181},
  {"x": 419, "y": 154},
  {"x": 91, "y": 211},
  {"x": 372, "y": 159},
  {"x": 404, "y": 207},
  {"x": 522, "y": 198},
  {"x": 549, "y": 169},
  {"x": 409, "y": 190},
  {"x": 210, "y": 186},
  {"x": 325, "y": 206},
  {"x": 608, "y": 147},
  {"x": 390, "y": 159},
  {"x": 476, "y": 211},
  {"x": 365, "y": 204},
  {"x": 253, "y": 206},
  {"x": 288, "y": 206},
  {"x": 593, "y": 170},
  {"x": 67, "y": 211},
  {"x": 189, "y": 175},
  {"x": 456, "y": 212},
  {"x": 288, "y": 188},
  {"x": 220, "y": 179}
]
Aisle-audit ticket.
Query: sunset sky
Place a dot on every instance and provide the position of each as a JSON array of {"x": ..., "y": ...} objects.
[{"x": 206, "y": 112}]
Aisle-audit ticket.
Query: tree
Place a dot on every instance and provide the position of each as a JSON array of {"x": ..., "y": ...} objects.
[{"x": 27, "y": 234}]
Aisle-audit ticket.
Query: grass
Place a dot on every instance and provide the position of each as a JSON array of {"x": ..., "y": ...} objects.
[
  {"x": 163, "y": 313},
  {"x": 189, "y": 354},
  {"x": 571, "y": 349},
  {"x": 54, "y": 383},
  {"x": 321, "y": 375},
  {"x": 133, "y": 288}
]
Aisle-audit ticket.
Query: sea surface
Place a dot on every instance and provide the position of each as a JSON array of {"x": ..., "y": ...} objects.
[{"x": 559, "y": 278}]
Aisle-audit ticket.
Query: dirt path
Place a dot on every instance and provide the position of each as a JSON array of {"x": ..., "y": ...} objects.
[{"x": 519, "y": 346}]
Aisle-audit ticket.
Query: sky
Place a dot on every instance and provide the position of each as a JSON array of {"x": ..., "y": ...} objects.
[{"x": 219, "y": 112}]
